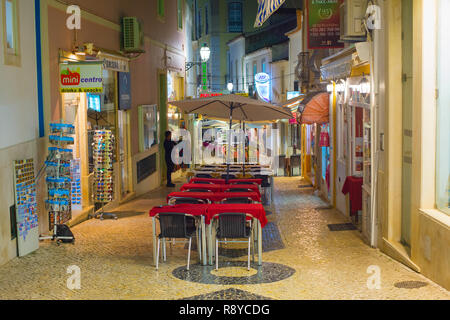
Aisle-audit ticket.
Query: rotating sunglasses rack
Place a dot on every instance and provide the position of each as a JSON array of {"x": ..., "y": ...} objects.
[
  {"x": 103, "y": 153},
  {"x": 58, "y": 203}
]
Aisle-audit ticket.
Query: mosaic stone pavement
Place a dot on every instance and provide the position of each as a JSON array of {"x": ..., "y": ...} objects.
[{"x": 303, "y": 259}]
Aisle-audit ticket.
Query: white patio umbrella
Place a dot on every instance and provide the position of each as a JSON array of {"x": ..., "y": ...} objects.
[{"x": 234, "y": 107}]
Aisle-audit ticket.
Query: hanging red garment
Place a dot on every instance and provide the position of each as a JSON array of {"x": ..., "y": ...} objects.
[{"x": 324, "y": 139}]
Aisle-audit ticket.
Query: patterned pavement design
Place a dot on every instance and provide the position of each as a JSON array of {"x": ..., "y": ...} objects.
[{"x": 115, "y": 260}]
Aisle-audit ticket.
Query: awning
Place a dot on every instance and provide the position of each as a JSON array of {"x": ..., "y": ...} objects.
[
  {"x": 294, "y": 103},
  {"x": 265, "y": 9},
  {"x": 316, "y": 109}
]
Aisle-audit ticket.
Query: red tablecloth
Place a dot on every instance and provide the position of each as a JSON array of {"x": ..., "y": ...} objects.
[
  {"x": 220, "y": 187},
  {"x": 222, "y": 181},
  {"x": 192, "y": 209},
  {"x": 256, "y": 210},
  {"x": 353, "y": 186},
  {"x": 215, "y": 196}
]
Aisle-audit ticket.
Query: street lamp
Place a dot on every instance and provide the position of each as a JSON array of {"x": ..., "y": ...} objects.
[
  {"x": 205, "y": 54},
  {"x": 230, "y": 86}
]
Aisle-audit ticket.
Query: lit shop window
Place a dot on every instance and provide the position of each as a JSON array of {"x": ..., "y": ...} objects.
[
  {"x": 11, "y": 32},
  {"x": 148, "y": 127},
  {"x": 443, "y": 111}
]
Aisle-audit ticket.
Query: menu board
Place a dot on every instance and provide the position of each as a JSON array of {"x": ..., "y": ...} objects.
[
  {"x": 324, "y": 24},
  {"x": 26, "y": 209}
]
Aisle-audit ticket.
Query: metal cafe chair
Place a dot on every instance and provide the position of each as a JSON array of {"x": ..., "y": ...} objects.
[
  {"x": 243, "y": 183},
  {"x": 203, "y": 175},
  {"x": 239, "y": 200},
  {"x": 239, "y": 190},
  {"x": 266, "y": 187},
  {"x": 197, "y": 190},
  {"x": 231, "y": 176},
  {"x": 175, "y": 226},
  {"x": 203, "y": 182},
  {"x": 187, "y": 200},
  {"x": 233, "y": 226}
]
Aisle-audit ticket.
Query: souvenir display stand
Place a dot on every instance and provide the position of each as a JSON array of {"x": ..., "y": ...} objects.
[
  {"x": 58, "y": 179},
  {"x": 26, "y": 212},
  {"x": 103, "y": 153}
]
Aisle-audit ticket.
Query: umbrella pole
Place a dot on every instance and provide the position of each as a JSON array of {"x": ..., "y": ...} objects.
[
  {"x": 229, "y": 143},
  {"x": 245, "y": 142}
]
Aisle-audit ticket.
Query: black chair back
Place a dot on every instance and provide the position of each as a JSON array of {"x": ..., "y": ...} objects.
[
  {"x": 238, "y": 201},
  {"x": 203, "y": 175},
  {"x": 202, "y": 182},
  {"x": 265, "y": 180},
  {"x": 174, "y": 225},
  {"x": 241, "y": 183},
  {"x": 197, "y": 190},
  {"x": 281, "y": 162},
  {"x": 295, "y": 161},
  {"x": 232, "y": 225},
  {"x": 239, "y": 190},
  {"x": 188, "y": 201},
  {"x": 231, "y": 176}
]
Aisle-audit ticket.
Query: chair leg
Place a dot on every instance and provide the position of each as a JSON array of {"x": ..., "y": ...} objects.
[
  {"x": 157, "y": 253},
  {"x": 164, "y": 250},
  {"x": 189, "y": 253},
  {"x": 249, "y": 245},
  {"x": 217, "y": 254}
]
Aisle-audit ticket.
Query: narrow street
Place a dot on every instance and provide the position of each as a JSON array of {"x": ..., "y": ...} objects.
[{"x": 302, "y": 259}]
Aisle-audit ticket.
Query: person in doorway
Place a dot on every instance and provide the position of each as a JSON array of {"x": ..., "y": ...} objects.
[{"x": 168, "y": 147}]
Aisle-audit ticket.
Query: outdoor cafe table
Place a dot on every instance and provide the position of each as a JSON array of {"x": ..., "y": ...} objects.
[
  {"x": 206, "y": 212},
  {"x": 214, "y": 196},
  {"x": 220, "y": 187},
  {"x": 196, "y": 210}
]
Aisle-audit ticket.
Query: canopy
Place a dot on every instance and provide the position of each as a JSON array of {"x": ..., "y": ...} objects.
[
  {"x": 317, "y": 109},
  {"x": 265, "y": 9}
]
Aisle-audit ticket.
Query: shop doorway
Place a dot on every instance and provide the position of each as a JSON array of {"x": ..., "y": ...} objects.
[{"x": 407, "y": 107}]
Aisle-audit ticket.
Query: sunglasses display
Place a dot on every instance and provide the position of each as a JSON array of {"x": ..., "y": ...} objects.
[
  {"x": 25, "y": 191},
  {"x": 59, "y": 174},
  {"x": 103, "y": 155}
]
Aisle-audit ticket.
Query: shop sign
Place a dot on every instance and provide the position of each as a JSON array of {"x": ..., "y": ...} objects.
[
  {"x": 324, "y": 24},
  {"x": 262, "y": 81},
  {"x": 113, "y": 63},
  {"x": 81, "y": 77},
  {"x": 124, "y": 91},
  {"x": 210, "y": 95}
]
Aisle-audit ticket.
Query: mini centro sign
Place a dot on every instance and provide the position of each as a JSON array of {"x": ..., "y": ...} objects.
[
  {"x": 81, "y": 77},
  {"x": 262, "y": 81}
]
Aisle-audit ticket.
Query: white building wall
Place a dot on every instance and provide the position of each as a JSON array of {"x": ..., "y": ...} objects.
[
  {"x": 18, "y": 119},
  {"x": 237, "y": 53},
  {"x": 295, "y": 47},
  {"x": 18, "y": 84}
]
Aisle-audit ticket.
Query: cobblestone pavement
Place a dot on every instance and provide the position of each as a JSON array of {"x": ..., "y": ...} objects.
[{"x": 115, "y": 258}]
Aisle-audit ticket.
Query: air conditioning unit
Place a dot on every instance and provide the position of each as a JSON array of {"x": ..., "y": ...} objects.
[
  {"x": 132, "y": 35},
  {"x": 353, "y": 14}
]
